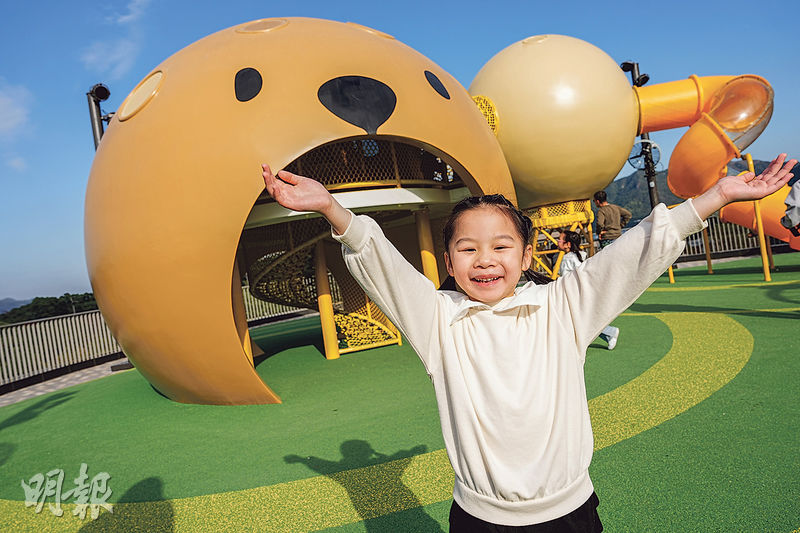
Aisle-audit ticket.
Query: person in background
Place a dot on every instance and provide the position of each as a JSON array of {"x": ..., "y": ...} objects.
[{"x": 610, "y": 219}]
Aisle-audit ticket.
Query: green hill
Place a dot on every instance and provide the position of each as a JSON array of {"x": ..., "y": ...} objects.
[{"x": 50, "y": 307}]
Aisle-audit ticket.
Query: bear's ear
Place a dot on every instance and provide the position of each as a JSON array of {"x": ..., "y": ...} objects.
[
  {"x": 437, "y": 84},
  {"x": 247, "y": 84}
]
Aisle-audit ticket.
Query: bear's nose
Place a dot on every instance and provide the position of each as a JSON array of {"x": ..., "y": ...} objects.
[{"x": 361, "y": 101}]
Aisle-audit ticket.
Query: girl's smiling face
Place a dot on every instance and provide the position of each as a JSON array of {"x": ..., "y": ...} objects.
[{"x": 486, "y": 255}]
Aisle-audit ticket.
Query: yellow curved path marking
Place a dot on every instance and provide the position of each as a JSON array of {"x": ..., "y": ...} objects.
[
  {"x": 709, "y": 351},
  {"x": 694, "y": 368}
]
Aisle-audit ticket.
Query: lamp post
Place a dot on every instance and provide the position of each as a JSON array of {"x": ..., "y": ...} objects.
[
  {"x": 98, "y": 93},
  {"x": 649, "y": 166}
]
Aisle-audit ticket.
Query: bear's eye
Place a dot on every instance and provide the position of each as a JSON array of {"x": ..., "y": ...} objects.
[
  {"x": 247, "y": 84},
  {"x": 437, "y": 85}
]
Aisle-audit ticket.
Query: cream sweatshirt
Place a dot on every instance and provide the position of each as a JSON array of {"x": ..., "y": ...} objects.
[{"x": 509, "y": 378}]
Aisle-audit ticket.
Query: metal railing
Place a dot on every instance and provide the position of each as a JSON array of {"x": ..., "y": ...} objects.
[
  {"x": 725, "y": 239},
  {"x": 29, "y": 349},
  {"x": 37, "y": 347}
]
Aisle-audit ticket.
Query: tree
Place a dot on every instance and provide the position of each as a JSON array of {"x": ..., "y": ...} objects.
[{"x": 46, "y": 307}]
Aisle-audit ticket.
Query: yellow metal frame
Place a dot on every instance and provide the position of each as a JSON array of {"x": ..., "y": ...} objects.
[
  {"x": 576, "y": 215},
  {"x": 766, "y": 255}
]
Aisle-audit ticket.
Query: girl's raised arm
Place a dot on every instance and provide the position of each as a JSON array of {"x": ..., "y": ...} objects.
[
  {"x": 606, "y": 284},
  {"x": 406, "y": 296}
]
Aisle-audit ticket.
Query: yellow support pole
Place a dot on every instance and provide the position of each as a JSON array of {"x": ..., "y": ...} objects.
[
  {"x": 426, "y": 251},
  {"x": 762, "y": 242},
  {"x": 557, "y": 265},
  {"x": 671, "y": 275},
  {"x": 707, "y": 246},
  {"x": 325, "y": 303}
]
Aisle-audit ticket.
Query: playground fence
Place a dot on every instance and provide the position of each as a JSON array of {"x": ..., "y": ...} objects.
[
  {"x": 57, "y": 345},
  {"x": 725, "y": 240},
  {"x": 53, "y": 345},
  {"x": 34, "y": 348}
]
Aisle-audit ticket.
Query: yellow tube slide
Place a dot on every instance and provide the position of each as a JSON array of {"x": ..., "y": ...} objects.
[
  {"x": 726, "y": 114},
  {"x": 772, "y": 209}
]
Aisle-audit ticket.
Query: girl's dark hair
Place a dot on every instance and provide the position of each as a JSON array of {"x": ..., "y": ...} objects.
[
  {"x": 574, "y": 240},
  {"x": 521, "y": 222}
]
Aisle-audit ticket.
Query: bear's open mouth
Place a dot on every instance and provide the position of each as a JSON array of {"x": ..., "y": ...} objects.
[
  {"x": 369, "y": 163},
  {"x": 277, "y": 252}
]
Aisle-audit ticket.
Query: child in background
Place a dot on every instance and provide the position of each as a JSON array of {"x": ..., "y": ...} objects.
[
  {"x": 569, "y": 242},
  {"x": 506, "y": 362}
]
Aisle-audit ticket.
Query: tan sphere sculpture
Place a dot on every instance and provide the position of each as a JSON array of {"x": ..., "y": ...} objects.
[
  {"x": 566, "y": 116},
  {"x": 178, "y": 173}
]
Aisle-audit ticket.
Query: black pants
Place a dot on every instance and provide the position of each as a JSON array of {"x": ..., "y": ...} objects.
[{"x": 584, "y": 519}]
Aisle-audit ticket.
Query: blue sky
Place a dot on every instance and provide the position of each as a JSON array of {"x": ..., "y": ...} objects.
[{"x": 54, "y": 51}]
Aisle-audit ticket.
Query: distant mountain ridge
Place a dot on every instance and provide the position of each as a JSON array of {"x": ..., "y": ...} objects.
[
  {"x": 7, "y": 304},
  {"x": 631, "y": 191}
]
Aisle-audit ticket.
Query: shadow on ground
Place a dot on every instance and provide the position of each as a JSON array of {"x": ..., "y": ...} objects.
[
  {"x": 682, "y": 308},
  {"x": 732, "y": 270},
  {"x": 155, "y": 516},
  {"x": 378, "y": 494},
  {"x": 37, "y": 408}
]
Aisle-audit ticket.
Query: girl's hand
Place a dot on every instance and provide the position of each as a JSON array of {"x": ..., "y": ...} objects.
[
  {"x": 303, "y": 194},
  {"x": 748, "y": 186},
  {"x": 296, "y": 192}
]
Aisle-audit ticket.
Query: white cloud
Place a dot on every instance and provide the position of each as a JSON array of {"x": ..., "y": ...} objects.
[
  {"x": 136, "y": 9},
  {"x": 114, "y": 58},
  {"x": 17, "y": 163},
  {"x": 15, "y": 102},
  {"x": 111, "y": 58}
]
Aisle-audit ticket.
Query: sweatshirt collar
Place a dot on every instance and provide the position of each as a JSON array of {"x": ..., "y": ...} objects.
[{"x": 529, "y": 294}]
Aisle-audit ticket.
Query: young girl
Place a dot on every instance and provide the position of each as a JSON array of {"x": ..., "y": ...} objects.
[
  {"x": 507, "y": 362},
  {"x": 569, "y": 242}
]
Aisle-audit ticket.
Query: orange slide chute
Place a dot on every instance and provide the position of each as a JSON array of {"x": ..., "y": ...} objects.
[
  {"x": 726, "y": 114},
  {"x": 772, "y": 209}
]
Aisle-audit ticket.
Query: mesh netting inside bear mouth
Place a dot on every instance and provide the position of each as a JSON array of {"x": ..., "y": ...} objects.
[{"x": 369, "y": 163}]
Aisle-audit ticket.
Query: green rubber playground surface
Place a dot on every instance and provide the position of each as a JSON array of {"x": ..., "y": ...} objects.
[{"x": 696, "y": 416}]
